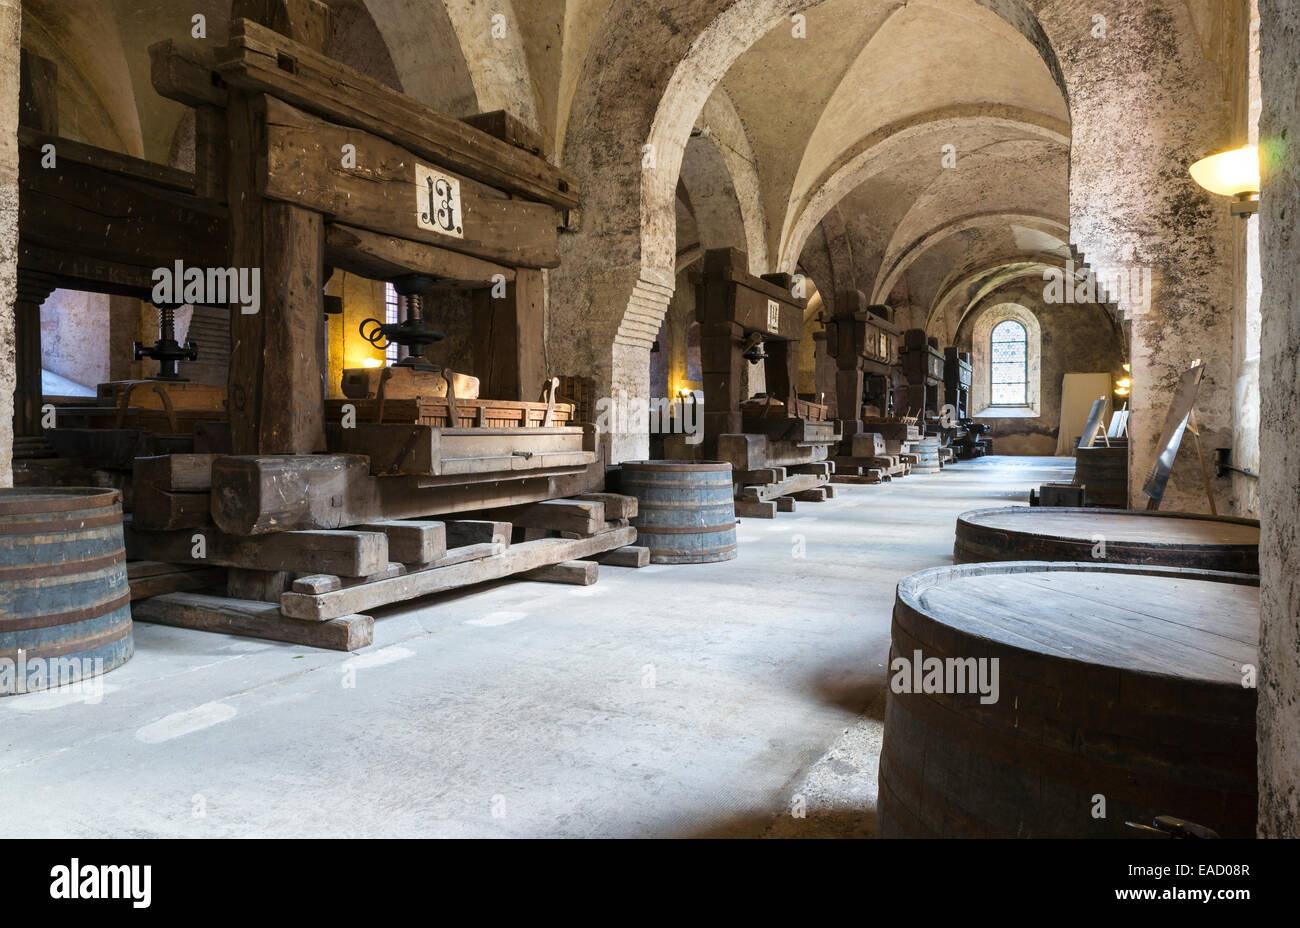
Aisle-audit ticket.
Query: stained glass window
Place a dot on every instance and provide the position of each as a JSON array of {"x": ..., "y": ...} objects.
[
  {"x": 1010, "y": 367},
  {"x": 391, "y": 317}
]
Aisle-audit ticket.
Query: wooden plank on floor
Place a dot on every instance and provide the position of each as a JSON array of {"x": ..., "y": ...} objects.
[
  {"x": 630, "y": 556},
  {"x": 755, "y": 509},
  {"x": 463, "y": 532},
  {"x": 513, "y": 560},
  {"x": 255, "y": 620},
  {"x": 574, "y": 573}
]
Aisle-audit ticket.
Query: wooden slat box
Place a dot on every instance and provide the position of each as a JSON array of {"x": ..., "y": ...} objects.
[{"x": 435, "y": 411}]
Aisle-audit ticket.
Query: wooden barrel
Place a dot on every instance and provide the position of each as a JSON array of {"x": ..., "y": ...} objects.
[
  {"x": 65, "y": 607},
  {"x": 1166, "y": 539},
  {"x": 1119, "y": 697},
  {"x": 927, "y": 451},
  {"x": 685, "y": 510},
  {"x": 1103, "y": 474}
]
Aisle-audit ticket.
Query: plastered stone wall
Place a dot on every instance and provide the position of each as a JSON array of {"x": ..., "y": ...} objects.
[
  {"x": 10, "y": 24},
  {"x": 1152, "y": 93},
  {"x": 75, "y": 336},
  {"x": 1279, "y": 554},
  {"x": 1072, "y": 338}
]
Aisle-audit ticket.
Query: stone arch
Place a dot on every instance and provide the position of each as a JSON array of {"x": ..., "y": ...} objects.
[
  {"x": 427, "y": 54},
  {"x": 981, "y": 363},
  {"x": 904, "y": 255},
  {"x": 627, "y": 131},
  {"x": 498, "y": 66},
  {"x": 719, "y": 150},
  {"x": 886, "y": 144}
]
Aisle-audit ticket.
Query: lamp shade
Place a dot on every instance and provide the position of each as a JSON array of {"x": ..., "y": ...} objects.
[{"x": 1230, "y": 173}]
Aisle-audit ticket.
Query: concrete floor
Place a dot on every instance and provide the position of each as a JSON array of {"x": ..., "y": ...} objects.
[{"x": 666, "y": 701}]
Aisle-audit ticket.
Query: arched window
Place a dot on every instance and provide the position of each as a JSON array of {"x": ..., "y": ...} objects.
[{"x": 1009, "y": 370}]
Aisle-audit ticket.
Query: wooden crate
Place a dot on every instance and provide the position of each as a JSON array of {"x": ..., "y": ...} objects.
[
  {"x": 776, "y": 409},
  {"x": 436, "y": 411},
  {"x": 581, "y": 393}
]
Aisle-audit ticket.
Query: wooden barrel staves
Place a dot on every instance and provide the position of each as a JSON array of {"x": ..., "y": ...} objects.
[
  {"x": 685, "y": 510},
  {"x": 927, "y": 449},
  {"x": 65, "y": 607},
  {"x": 1166, "y": 539},
  {"x": 1029, "y": 699}
]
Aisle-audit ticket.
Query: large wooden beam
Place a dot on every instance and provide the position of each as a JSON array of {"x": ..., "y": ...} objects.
[
  {"x": 256, "y": 495},
  {"x": 343, "y": 553},
  {"x": 382, "y": 193},
  {"x": 510, "y": 360},
  {"x": 260, "y": 61},
  {"x": 94, "y": 209},
  {"x": 384, "y": 257}
]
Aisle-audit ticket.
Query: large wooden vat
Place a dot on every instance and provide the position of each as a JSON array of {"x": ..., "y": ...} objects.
[
  {"x": 1103, "y": 473},
  {"x": 1119, "y": 697},
  {"x": 686, "y": 512},
  {"x": 1168, "y": 539},
  {"x": 65, "y": 607}
]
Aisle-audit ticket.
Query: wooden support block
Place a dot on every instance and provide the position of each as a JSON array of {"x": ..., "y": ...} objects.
[
  {"x": 153, "y": 578},
  {"x": 631, "y": 556},
  {"x": 184, "y": 74},
  {"x": 784, "y": 503},
  {"x": 265, "y": 586},
  {"x": 584, "y": 517},
  {"x": 575, "y": 573},
  {"x": 759, "y": 476},
  {"x": 162, "y": 510},
  {"x": 255, "y": 620},
  {"x": 259, "y": 494},
  {"x": 616, "y": 506},
  {"x": 187, "y": 472},
  {"x": 324, "y": 583},
  {"x": 756, "y": 509},
  {"x": 504, "y": 126},
  {"x": 829, "y": 491},
  {"x": 513, "y": 560},
  {"x": 346, "y": 553},
  {"x": 411, "y": 541},
  {"x": 612, "y": 525},
  {"x": 476, "y": 532},
  {"x": 818, "y": 495}
]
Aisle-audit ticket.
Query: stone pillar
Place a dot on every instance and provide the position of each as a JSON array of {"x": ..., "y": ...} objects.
[
  {"x": 1167, "y": 69},
  {"x": 1279, "y": 550},
  {"x": 10, "y": 30}
]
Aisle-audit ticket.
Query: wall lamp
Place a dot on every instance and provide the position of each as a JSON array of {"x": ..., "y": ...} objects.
[{"x": 1232, "y": 174}]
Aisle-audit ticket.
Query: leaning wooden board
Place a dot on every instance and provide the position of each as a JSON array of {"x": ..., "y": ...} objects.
[
  {"x": 1125, "y": 682},
  {"x": 1170, "y": 539}
]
